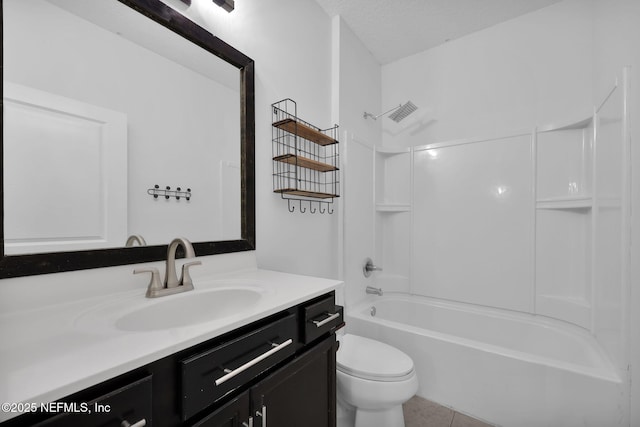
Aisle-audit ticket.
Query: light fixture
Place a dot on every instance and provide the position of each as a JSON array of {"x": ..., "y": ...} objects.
[{"x": 227, "y": 5}]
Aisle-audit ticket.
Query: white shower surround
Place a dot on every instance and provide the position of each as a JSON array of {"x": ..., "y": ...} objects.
[
  {"x": 508, "y": 77},
  {"x": 544, "y": 256},
  {"x": 507, "y": 368}
]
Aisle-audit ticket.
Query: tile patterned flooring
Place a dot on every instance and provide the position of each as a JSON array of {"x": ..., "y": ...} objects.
[{"x": 419, "y": 412}]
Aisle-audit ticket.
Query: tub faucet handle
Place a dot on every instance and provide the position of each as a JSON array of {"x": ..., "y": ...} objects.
[{"x": 369, "y": 268}]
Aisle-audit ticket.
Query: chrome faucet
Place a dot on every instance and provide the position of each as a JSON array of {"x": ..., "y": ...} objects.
[
  {"x": 171, "y": 283},
  {"x": 171, "y": 278},
  {"x": 135, "y": 238}
]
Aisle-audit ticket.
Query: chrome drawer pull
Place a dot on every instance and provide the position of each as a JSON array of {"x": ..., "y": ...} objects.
[
  {"x": 141, "y": 423},
  {"x": 252, "y": 362},
  {"x": 244, "y": 424},
  {"x": 331, "y": 317}
]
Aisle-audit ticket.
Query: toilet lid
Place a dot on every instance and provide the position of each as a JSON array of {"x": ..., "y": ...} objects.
[{"x": 370, "y": 359}]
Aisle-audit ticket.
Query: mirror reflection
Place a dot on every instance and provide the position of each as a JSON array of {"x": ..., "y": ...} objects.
[{"x": 114, "y": 128}]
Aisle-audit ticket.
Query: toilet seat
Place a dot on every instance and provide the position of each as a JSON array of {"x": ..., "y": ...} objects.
[{"x": 372, "y": 360}]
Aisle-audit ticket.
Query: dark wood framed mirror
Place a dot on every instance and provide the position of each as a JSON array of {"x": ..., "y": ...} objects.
[{"x": 16, "y": 265}]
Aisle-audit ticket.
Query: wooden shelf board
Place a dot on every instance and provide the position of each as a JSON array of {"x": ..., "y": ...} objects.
[
  {"x": 304, "y": 162},
  {"x": 304, "y": 131},
  {"x": 304, "y": 193}
]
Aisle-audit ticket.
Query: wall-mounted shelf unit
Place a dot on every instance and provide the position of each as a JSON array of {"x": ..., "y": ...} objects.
[{"x": 305, "y": 159}]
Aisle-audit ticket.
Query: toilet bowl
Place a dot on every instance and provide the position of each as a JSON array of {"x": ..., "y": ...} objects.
[{"x": 374, "y": 380}]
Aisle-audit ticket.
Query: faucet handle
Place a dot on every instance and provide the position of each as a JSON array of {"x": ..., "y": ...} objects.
[
  {"x": 185, "y": 280},
  {"x": 369, "y": 268},
  {"x": 155, "y": 283}
]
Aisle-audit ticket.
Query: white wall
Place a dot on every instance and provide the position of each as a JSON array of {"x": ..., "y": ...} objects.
[
  {"x": 290, "y": 42},
  {"x": 357, "y": 90},
  {"x": 498, "y": 82},
  {"x": 531, "y": 70},
  {"x": 359, "y": 85},
  {"x": 473, "y": 220}
]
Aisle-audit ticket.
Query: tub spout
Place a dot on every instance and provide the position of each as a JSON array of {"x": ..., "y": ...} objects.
[{"x": 374, "y": 291}]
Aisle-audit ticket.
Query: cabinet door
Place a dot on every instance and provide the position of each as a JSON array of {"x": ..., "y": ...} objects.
[
  {"x": 301, "y": 394},
  {"x": 233, "y": 414}
]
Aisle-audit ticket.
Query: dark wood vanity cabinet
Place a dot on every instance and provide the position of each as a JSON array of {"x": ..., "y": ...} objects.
[
  {"x": 277, "y": 372},
  {"x": 300, "y": 394},
  {"x": 303, "y": 393}
]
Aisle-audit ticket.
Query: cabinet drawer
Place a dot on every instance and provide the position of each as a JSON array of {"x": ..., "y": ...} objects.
[
  {"x": 209, "y": 375},
  {"x": 320, "y": 317},
  {"x": 131, "y": 403}
]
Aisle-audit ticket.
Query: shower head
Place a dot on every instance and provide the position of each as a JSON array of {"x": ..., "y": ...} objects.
[
  {"x": 403, "y": 111},
  {"x": 399, "y": 112}
]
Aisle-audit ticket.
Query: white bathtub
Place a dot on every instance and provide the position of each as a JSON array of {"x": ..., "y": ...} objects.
[{"x": 509, "y": 369}]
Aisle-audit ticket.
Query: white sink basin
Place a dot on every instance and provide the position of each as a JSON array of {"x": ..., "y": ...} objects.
[{"x": 190, "y": 308}]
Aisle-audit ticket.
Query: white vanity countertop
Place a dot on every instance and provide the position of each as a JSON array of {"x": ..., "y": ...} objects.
[{"x": 49, "y": 352}]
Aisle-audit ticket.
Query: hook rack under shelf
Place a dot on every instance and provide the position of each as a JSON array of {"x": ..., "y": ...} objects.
[{"x": 311, "y": 209}]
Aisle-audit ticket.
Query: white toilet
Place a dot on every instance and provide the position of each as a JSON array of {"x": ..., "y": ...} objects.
[{"x": 374, "y": 380}]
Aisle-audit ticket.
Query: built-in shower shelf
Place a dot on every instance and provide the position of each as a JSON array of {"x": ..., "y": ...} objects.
[
  {"x": 304, "y": 162},
  {"x": 296, "y": 127},
  {"x": 572, "y": 202},
  {"x": 582, "y": 123},
  {"x": 391, "y": 151},
  {"x": 389, "y": 207},
  {"x": 304, "y": 193}
]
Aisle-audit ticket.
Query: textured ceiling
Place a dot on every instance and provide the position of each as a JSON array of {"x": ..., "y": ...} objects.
[{"x": 393, "y": 29}]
